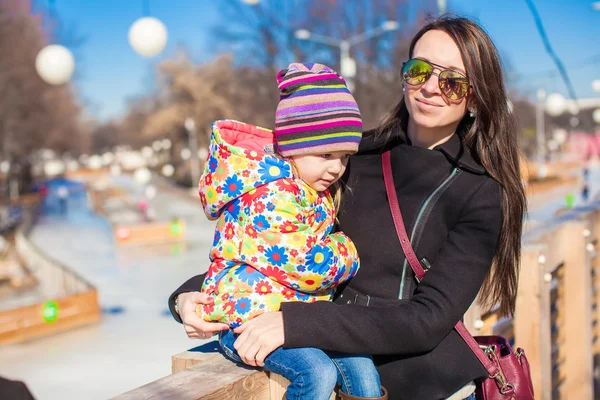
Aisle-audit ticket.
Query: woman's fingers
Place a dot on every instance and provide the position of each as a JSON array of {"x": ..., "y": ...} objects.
[
  {"x": 193, "y": 323},
  {"x": 259, "y": 337},
  {"x": 201, "y": 298},
  {"x": 190, "y": 311},
  {"x": 248, "y": 352},
  {"x": 261, "y": 355}
]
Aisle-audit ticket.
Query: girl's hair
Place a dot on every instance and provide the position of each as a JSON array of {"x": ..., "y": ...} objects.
[{"x": 491, "y": 136}]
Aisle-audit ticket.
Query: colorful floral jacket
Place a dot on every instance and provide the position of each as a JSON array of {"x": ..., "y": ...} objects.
[{"x": 273, "y": 239}]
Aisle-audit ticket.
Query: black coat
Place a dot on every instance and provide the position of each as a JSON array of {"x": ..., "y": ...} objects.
[{"x": 458, "y": 207}]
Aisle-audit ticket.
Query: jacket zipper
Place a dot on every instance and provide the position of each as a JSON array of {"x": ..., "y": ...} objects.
[{"x": 424, "y": 211}]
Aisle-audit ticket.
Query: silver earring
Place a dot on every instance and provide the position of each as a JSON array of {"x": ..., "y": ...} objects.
[
  {"x": 472, "y": 113},
  {"x": 403, "y": 89}
]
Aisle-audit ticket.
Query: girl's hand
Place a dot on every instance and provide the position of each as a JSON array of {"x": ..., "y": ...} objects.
[
  {"x": 195, "y": 326},
  {"x": 259, "y": 337}
]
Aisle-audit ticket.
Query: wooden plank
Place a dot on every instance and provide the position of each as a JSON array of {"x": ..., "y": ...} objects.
[
  {"x": 201, "y": 354},
  {"x": 209, "y": 353},
  {"x": 595, "y": 264},
  {"x": 577, "y": 348},
  {"x": 26, "y": 323},
  {"x": 217, "y": 379},
  {"x": 277, "y": 386},
  {"x": 532, "y": 319}
]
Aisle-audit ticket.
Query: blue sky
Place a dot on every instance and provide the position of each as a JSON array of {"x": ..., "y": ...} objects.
[{"x": 109, "y": 72}]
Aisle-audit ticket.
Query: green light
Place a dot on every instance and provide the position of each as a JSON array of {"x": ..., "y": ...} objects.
[
  {"x": 50, "y": 311},
  {"x": 175, "y": 228},
  {"x": 570, "y": 200}
]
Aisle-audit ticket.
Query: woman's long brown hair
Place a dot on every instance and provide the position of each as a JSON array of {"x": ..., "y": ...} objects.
[{"x": 492, "y": 138}]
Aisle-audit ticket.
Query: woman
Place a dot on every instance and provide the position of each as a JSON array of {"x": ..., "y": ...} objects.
[{"x": 455, "y": 163}]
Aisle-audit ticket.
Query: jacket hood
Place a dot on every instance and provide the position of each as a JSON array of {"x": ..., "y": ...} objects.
[{"x": 240, "y": 160}]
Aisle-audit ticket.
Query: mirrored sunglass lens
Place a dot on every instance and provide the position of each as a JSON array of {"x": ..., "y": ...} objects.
[
  {"x": 453, "y": 85},
  {"x": 416, "y": 72}
]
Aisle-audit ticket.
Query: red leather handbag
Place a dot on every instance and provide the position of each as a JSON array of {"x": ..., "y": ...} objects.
[{"x": 509, "y": 376}]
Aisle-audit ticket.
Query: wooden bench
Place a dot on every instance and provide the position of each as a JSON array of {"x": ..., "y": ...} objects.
[{"x": 205, "y": 373}]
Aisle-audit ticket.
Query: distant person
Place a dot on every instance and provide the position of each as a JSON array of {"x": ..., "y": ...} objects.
[
  {"x": 269, "y": 192},
  {"x": 63, "y": 197},
  {"x": 143, "y": 207},
  {"x": 585, "y": 192}
]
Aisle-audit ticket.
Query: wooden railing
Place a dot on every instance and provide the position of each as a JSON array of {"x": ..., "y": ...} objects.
[
  {"x": 557, "y": 313},
  {"x": 556, "y": 322},
  {"x": 74, "y": 299}
]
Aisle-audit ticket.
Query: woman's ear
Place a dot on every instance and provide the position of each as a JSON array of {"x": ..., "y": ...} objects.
[{"x": 471, "y": 105}]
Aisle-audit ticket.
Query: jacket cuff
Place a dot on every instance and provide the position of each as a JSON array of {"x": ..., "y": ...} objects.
[
  {"x": 300, "y": 324},
  {"x": 193, "y": 284}
]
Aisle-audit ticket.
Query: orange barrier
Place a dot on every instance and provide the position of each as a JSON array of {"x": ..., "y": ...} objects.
[{"x": 149, "y": 233}]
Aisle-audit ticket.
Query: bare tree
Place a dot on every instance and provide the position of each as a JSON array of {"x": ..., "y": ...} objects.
[
  {"x": 33, "y": 114},
  {"x": 263, "y": 38}
]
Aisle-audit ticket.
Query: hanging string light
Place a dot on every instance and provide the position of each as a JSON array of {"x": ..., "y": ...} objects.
[
  {"x": 148, "y": 35},
  {"x": 55, "y": 63}
]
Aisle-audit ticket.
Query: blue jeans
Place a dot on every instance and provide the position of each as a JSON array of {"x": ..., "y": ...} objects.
[
  {"x": 313, "y": 373},
  {"x": 471, "y": 397}
]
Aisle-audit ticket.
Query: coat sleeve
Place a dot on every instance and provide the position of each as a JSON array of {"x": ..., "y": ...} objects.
[
  {"x": 191, "y": 285},
  {"x": 416, "y": 325},
  {"x": 285, "y": 244}
]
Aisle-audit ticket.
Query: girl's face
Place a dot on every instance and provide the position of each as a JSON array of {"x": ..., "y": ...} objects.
[
  {"x": 426, "y": 105},
  {"x": 320, "y": 171}
]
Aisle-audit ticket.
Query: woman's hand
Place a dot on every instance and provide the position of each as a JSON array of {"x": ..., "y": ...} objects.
[
  {"x": 259, "y": 337},
  {"x": 195, "y": 326}
]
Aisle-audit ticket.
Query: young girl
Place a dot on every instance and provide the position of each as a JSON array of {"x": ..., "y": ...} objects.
[{"x": 269, "y": 192}]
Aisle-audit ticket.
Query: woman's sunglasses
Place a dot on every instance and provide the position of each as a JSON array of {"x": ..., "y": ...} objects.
[{"x": 453, "y": 84}]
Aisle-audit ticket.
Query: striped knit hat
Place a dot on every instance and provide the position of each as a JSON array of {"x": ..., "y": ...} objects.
[{"x": 316, "y": 112}]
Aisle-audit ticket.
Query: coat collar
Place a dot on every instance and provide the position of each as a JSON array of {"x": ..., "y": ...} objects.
[{"x": 456, "y": 151}]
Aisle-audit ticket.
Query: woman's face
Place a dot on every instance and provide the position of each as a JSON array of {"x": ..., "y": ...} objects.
[{"x": 427, "y": 106}]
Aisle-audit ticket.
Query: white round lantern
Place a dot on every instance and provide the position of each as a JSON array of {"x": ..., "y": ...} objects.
[
  {"x": 142, "y": 175},
  {"x": 148, "y": 36},
  {"x": 556, "y": 104},
  {"x": 168, "y": 170},
  {"x": 147, "y": 152},
  {"x": 95, "y": 162},
  {"x": 55, "y": 64},
  {"x": 596, "y": 116},
  {"x": 186, "y": 154},
  {"x": 596, "y": 85}
]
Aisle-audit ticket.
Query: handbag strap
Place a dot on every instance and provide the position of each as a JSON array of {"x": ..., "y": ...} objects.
[{"x": 412, "y": 259}]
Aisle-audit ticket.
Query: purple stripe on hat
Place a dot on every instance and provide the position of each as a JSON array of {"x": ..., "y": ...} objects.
[
  {"x": 317, "y": 77},
  {"x": 313, "y": 143},
  {"x": 317, "y": 126},
  {"x": 318, "y": 106},
  {"x": 320, "y": 112}
]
